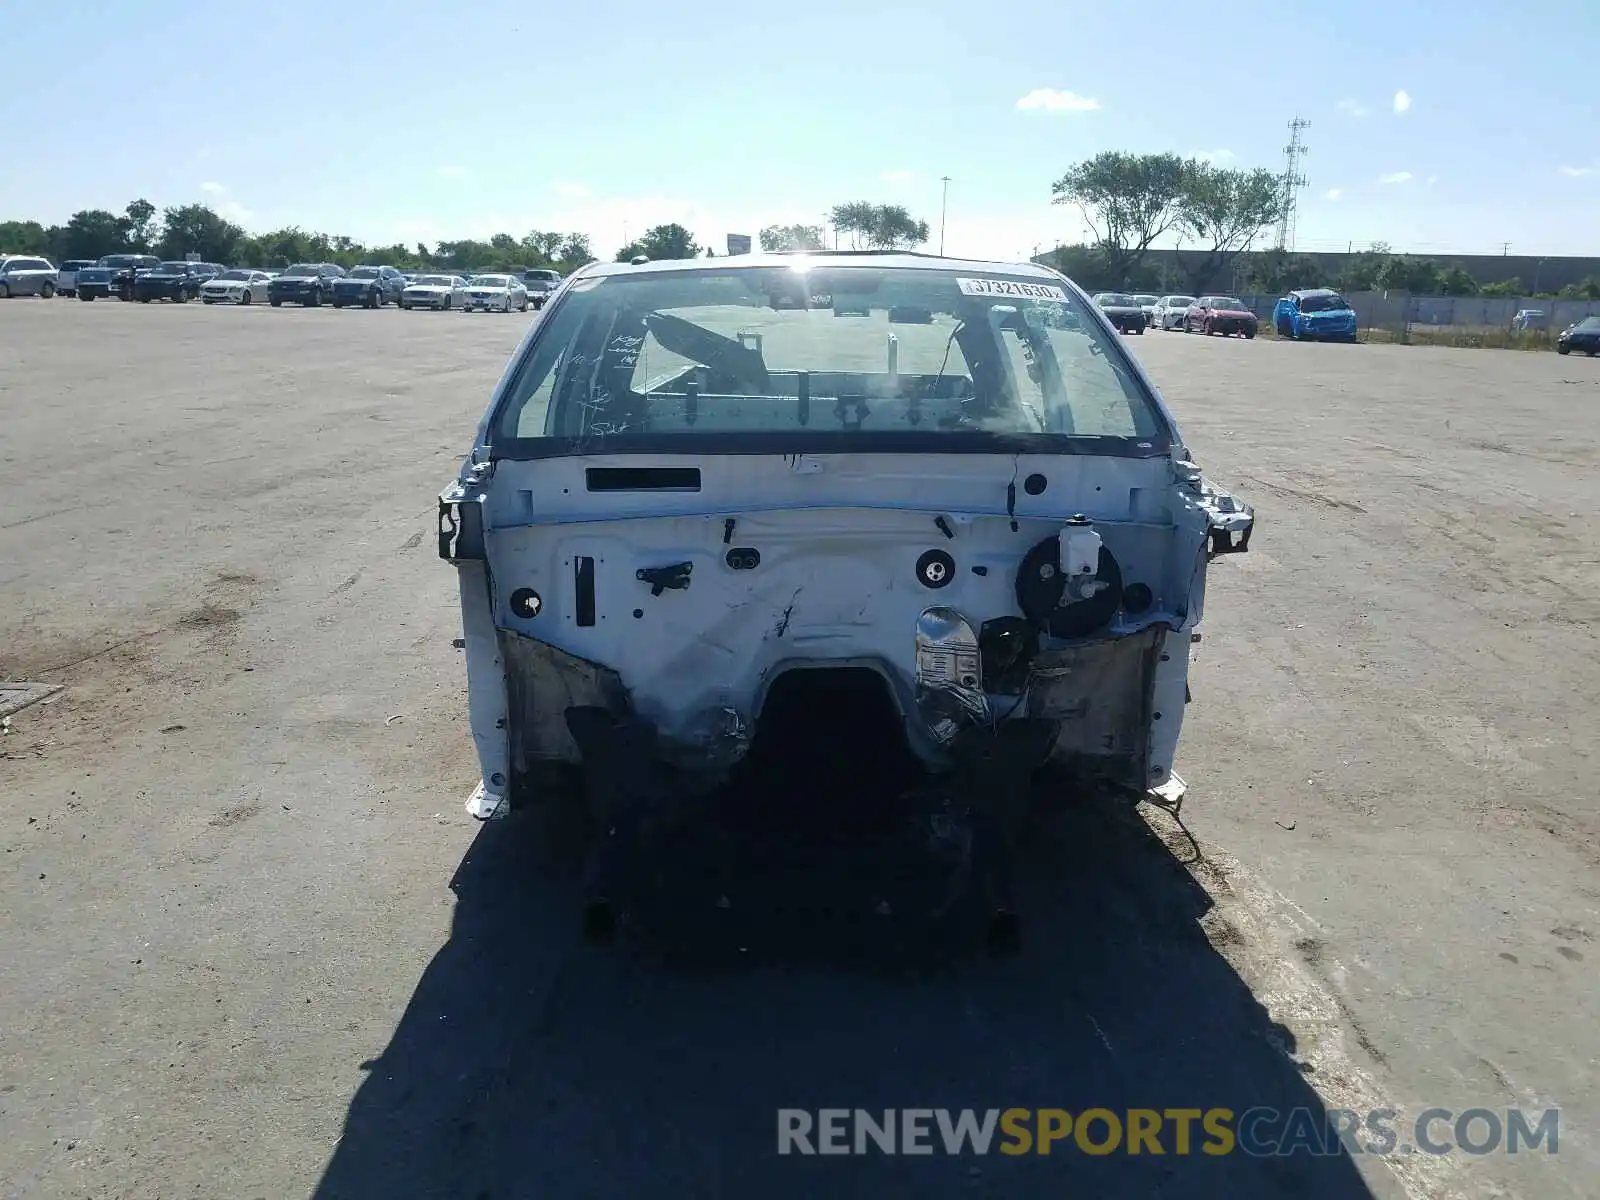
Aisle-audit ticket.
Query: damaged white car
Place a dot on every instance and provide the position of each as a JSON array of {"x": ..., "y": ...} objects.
[{"x": 703, "y": 488}]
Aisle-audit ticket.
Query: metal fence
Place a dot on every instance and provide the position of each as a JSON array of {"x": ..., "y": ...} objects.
[{"x": 1402, "y": 310}]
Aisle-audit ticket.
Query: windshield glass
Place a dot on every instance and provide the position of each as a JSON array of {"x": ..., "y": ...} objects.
[
  {"x": 1589, "y": 325},
  {"x": 436, "y": 280},
  {"x": 542, "y": 275},
  {"x": 1178, "y": 301},
  {"x": 1330, "y": 303},
  {"x": 174, "y": 267},
  {"x": 300, "y": 270},
  {"x": 777, "y": 355},
  {"x": 1146, "y": 299},
  {"x": 490, "y": 281},
  {"x": 245, "y": 275},
  {"x": 1114, "y": 300},
  {"x": 363, "y": 273},
  {"x": 1229, "y": 304}
]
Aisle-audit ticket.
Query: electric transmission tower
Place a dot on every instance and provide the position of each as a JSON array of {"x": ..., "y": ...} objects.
[{"x": 1291, "y": 182}]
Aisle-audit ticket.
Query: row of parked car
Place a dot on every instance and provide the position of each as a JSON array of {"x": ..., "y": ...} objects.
[
  {"x": 145, "y": 278},
  {"x": 1318, "y": 313}
]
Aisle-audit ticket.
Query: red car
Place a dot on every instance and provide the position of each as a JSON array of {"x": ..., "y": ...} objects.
[{"x": 1220, "y": 314}]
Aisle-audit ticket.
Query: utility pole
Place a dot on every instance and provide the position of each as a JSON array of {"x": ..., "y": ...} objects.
[
  {"x": 1505, "y": 249},
  {"x": 944, "y": 204},
  {"x": 1291, "y": 181}
]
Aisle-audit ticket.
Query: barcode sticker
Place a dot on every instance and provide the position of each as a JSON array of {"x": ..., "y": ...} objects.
[{"x": 1008, "y": 287}]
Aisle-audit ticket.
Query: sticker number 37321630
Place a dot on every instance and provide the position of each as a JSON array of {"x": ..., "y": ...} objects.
[{"x": 1008, "y": 287}]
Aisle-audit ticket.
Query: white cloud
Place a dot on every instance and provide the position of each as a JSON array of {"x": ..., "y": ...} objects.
[
  {"x": 1352, "y": 108},
  {"x": 896, "y": 176},
  {"x": 1402, "y": 101},
  {"x": 452, "y": 171},
  {"x": 215, "y": 189},
  {"x": 1578, "y": 172},
  {"x": 571, "y": 191},
  {"x": 1334, "y": 193},
  {"x": 1432, "y": 179},
  {"x": 1215, "y": 157},
  {"x": 238, "y": 214},
  {"x": 1395, "y": 177},
  {"x": 1055, "y": 100}
]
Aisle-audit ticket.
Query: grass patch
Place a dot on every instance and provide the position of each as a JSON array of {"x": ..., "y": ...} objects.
[{"x": 1464, "y": 338}]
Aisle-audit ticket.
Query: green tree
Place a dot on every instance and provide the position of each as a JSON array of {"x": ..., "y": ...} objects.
[
  {"x": 140, "y": 223},
  {"x": 1275, "y": 271},
  {"x": 197, "y": 229},
  {"x": 1360, "y": 271},
  {"x": 894, "y": 228},
  {"x": 877, "y": 226},
  {"x": 1456, "y": 280},
  {"x": 1502, "y": 287},
  {"x": 23, "y": 237},
  {"x": 574, "y": 252},
  {"x": 662, "y": 242},
  {"x": 1085, "y": 265},
  {"x": 93, "y": 232},
  {"x": 791, "y": 237},
  {"x": 1587, "y": 288},
  {"x": 1225, "y": 210},
  {"x": 1405, "y": 273},
  {"x": 1128, "y": 201},
  {"x": 857, "y": 219}
]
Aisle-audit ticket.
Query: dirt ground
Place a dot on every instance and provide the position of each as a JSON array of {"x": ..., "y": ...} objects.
[{"x": 255, "y": 948}]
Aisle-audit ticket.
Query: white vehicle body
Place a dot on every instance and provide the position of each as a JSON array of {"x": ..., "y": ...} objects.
[
  {"x": 67, "y": 275},
  {"x": 496, "y": 293},
  {"x": 435, "y": 291},
  {"x": 235, "y": 287},
  {"x": 1169, "y": 311},
  {"x": 1148, "y": 304},
  {"x": 26, "y": 275},
  {"x": 675, "y": 503}
]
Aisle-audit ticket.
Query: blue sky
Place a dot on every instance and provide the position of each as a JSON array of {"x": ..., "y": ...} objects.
[{"x": 1442, "y": 127}]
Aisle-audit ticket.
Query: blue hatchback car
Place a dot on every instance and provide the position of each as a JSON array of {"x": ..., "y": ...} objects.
[{"x": 1315, "y": 313}]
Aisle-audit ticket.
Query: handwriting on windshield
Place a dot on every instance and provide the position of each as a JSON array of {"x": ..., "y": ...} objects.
[{"x": 623, "y": 350}]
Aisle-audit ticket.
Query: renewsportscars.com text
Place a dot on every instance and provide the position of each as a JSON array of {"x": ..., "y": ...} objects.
[{"x": 1259, "y": 1132}]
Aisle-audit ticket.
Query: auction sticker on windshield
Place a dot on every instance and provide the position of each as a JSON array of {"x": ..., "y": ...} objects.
[{"x": 1006, "y": 287}]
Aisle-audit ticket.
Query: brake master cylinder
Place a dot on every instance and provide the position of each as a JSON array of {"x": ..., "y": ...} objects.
[{"x": 1080, "y": 560}]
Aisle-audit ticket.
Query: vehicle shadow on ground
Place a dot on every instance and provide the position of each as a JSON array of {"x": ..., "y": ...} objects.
[{"x": 530, "y": 1064}]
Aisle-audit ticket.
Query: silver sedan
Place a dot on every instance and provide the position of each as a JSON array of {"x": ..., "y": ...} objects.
[
  {"x": 435, "y": 291},
  {"x": 235, "y": 287}
]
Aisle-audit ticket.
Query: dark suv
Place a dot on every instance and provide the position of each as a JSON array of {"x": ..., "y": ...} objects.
[
  {"x": 541, "y": 283},
  {"x": 369, "y": 287},
  {"x": 124, "y": 268},
  {"x": 178, "y": 281},
  {"x": 304, "y": 283}
]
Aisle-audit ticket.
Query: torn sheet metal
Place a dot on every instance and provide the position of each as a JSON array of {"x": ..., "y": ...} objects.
[
  {"x": 486, "y": 805},
  {"x": 542, "y": 682},
  {"x": 1231, "y": 519},
  {"x": 1099, "y": 692}
]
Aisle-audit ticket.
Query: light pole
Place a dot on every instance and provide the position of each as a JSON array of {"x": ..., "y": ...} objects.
[{"x": 944, "y": 205}]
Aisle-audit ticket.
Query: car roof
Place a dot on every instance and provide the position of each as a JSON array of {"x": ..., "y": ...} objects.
[
  {"x": 1302, "y": 292},
  {"x": 899, "y": 259}
]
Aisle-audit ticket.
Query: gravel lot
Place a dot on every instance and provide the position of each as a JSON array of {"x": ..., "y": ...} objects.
[{"x": 255, "y": 948}]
